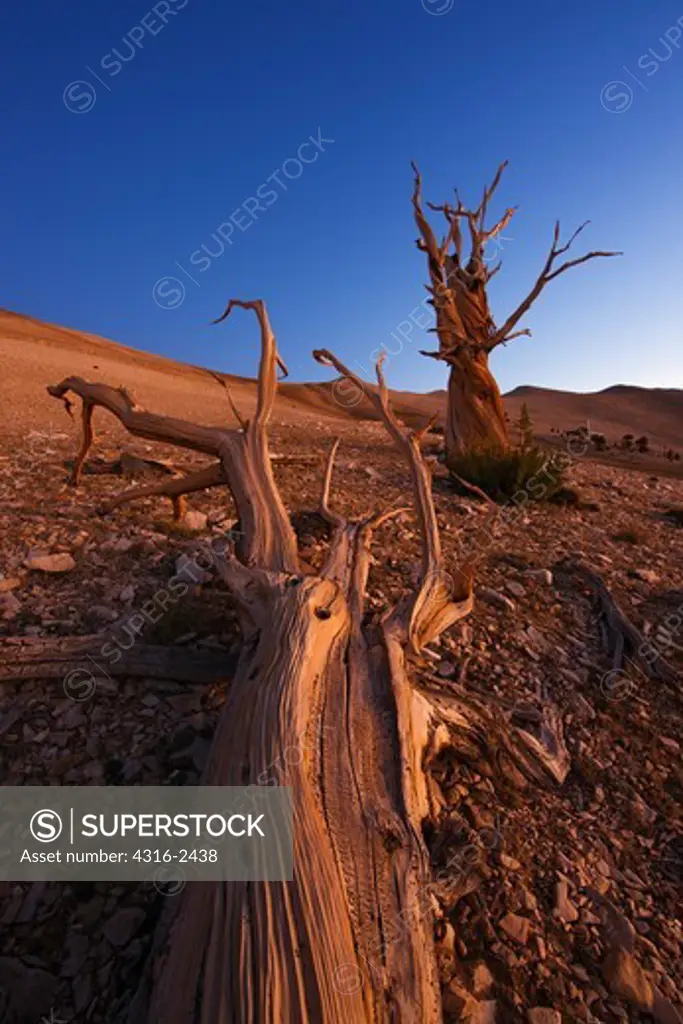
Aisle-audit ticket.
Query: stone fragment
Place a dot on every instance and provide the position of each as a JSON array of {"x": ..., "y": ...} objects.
[
  {"x": 121, "y": 928},
  {"x": 543, "y": 1015},
  {"x": 646, "y": 575},
  {"x": 455, "y": 998},
  {"x": 82, "y": 992},
  {"x": 480, "y": 1013},
  {"x": 60, "y": 562},
  {"x": 663, "y": 1011},
  {"x": 627, "y": 979},
  {"x": 482, "y": 980},
  {"x": 494, "y": 597},
  {"x": 564, "y": 908},
  {"x": 29, "y": 991},
  {"x": 188, "y": 571},
  {"x": 543, "y": 576},
  {"x": 122, "y": 545},
  {"x": 528, "y": 900},
  {"x": 641, "y": 812},
  {"x": 75, "y": 950},
  {"x": 194, "y": 520},
  {"x": 516, "y": 928},
  {"x": 9, "y": 606},
  {"x": 617, "y": 931}
]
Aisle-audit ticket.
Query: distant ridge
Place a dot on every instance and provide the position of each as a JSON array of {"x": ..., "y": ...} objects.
[
  {"x": 614, "y": 389},
  {"x": 35, "y": 354}
]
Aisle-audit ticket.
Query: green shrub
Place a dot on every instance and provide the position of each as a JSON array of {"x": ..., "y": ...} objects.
[
  {"x": 503, "y": 474},
  {"x": 526, "y": 428}
]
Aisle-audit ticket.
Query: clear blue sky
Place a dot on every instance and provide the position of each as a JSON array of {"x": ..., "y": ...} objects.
[{"x": 100, "y": 201}]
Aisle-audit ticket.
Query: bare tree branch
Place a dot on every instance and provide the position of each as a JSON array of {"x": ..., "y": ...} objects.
[
  {"x": 547, "y": 274},
  {"x": 518, "y": 334},
  {"x": 268, "y": 537},
  {"x": 224, "y": 384},
  {"x": 176, "y": 488},
  {"x": 328, "y": 515},
  {"x": 431, "y": 608},
  {"x": 488, "y": 195},
  {"x": 267, "y": 379},
  {"x": 88, "y": 437}
]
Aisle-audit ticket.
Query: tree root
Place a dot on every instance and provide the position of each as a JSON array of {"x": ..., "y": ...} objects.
[{"x": 622, "y": 641}]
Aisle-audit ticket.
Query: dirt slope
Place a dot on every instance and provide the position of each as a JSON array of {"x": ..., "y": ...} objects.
[
  {"x": 521, "y": 930},
  {"x": 35, "y": 354},
  {"x": 619, "y": 410}
]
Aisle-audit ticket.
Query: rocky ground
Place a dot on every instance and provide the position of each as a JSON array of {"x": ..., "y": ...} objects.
[{"x": 547, "y": 878}]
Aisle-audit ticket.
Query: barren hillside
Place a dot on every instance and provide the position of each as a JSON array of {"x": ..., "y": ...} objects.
[
  {"x": 537, "y": 872},
  {"x": 35, "y": 354}
]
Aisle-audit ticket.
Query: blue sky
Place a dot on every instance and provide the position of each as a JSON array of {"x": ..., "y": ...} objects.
[{"x": 134, "y": 133}]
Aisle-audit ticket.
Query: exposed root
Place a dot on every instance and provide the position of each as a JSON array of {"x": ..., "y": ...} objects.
[
  {"x": 175, "y": 489},
  {"x": 622, "y": 642}
]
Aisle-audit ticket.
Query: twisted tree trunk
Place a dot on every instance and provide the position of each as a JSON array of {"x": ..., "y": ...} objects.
[
  {"x": 475, "y": 415},
  {"x": 327, "y": 701},
  {"x": 465, "y": 327}
]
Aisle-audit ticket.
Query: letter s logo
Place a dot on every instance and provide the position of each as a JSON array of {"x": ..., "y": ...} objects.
[{"x": 46, "y": 826}]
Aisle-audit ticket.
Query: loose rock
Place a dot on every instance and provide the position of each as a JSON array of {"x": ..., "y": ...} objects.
[
  {"x": 60, "y": 562},
  {"x": 627, "y": 979},
  {"x": 121, "y": 928},
  {"x": 194, "y": 520},
  {"x": 494, "y": 597},
  {"x": 542, "y": 1015},
  {"x": 516, "y": 928}
]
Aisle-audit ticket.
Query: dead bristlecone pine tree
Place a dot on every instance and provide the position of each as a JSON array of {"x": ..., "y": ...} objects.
[
  {"x": 459, "y": 273},
  {"x": 351, "y": 938}
]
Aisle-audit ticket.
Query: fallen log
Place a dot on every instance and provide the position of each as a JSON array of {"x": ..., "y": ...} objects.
[{"x": 77, "y": 659}]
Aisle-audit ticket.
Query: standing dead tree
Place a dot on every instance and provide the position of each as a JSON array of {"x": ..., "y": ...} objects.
[
  {"x": 459, "y": 277},
  {"x": 351, "y": 937}
]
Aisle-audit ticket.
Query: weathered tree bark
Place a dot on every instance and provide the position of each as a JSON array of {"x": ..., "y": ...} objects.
[
  {"x": 475, "y": 417},
  {"x": 327, "y": 701}
]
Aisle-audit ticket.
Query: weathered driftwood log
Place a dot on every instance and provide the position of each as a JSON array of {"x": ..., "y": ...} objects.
[
  {"x": 79, "y": 662},
  {"x": 332, "y": 698}
]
